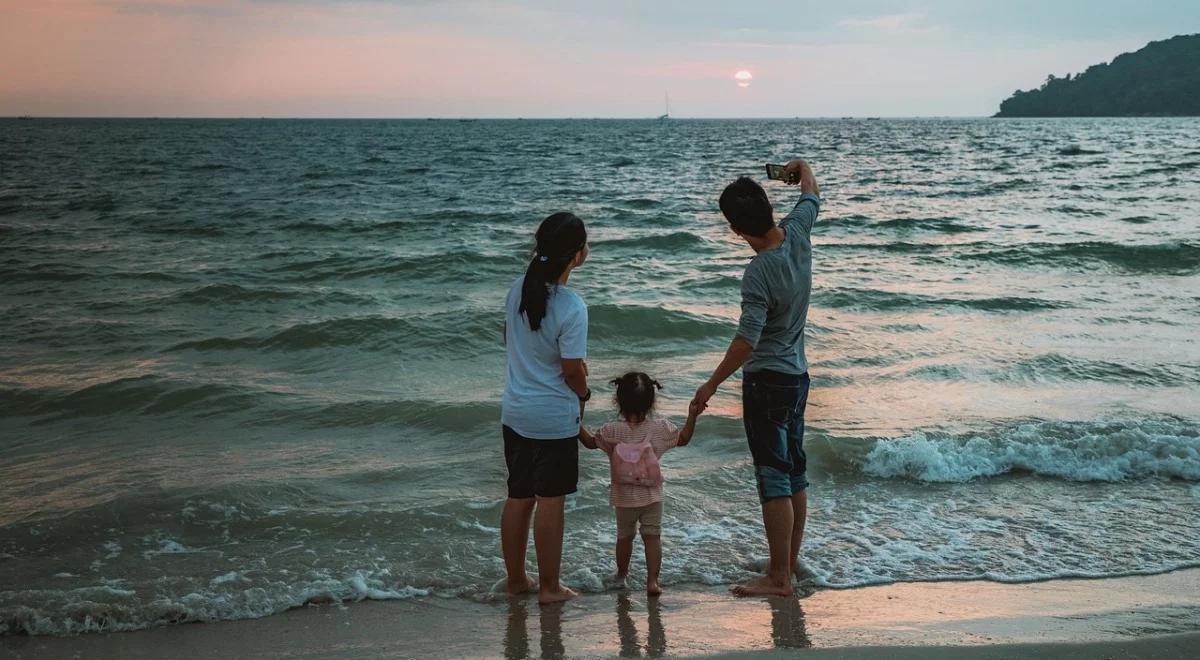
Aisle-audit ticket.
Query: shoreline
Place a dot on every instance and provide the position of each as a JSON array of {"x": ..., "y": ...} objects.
[{"x": 1139, "y": 616}]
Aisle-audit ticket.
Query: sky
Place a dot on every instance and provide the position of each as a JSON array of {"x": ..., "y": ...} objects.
[{"x": 467, "y": 58}]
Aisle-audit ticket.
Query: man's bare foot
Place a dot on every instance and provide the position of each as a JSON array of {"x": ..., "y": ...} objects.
[
  {"x": 518, "y": 587},
  {"x": 560, "y": 595},
  {"x": 652, "y": 589},
  {"x": 763, "y": 586}
]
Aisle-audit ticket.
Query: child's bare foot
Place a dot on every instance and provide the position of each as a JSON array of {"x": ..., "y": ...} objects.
[
  {"x": 652, "y": 588},
  {"x": 616, "y": 581},
  {"x": 518, "y": 587},
  {"x": 763, "y": 586},
  {"x": 556, "y": 596}
]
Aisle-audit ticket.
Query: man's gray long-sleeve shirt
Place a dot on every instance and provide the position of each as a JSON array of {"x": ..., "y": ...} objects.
[{"x": 775, "y": 293}]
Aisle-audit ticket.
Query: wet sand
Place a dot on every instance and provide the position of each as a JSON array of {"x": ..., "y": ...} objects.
[{"x": 1134, "y": 617}]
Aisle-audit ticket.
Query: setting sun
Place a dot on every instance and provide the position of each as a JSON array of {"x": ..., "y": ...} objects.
[{"x": 743, "y": 78}]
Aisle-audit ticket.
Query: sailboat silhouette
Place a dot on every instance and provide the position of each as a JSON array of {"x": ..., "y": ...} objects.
[{"x": 667, "y": 102}]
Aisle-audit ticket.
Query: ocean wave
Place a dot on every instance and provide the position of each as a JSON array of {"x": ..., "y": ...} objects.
[
  {"x": 938, "y": 225},
  {"x": 1171, "y": 168},
  {"x": 447, "y": 266},
  {"x": 1076, "y": 452},
  {"x": 679, "y": 240},
  {"x": 1076, "y": 150},
  {"x": 150, "y": 394},
  {"x": 102, "y": 202},
  {"x": 1057, "y": 366},
  {"x": 609, "y": 322},
  {"x": 42, "y": 272},
  {"x": 995, "y": 188},
  {"x": 227, "y": 293},
  {"x": 10, "y": 203},
  {"x": 640, "y": 203},
  {"x": 1175, "y": 258},
  {"x": 944, "y": 225},
  {"x": 431, "y": 415},
  {"x": 378, "y": 333},
  {"x": 877, "y": 300}
]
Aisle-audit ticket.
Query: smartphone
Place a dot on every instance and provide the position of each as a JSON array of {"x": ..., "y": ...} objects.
[{"x": 777, "y": 173}]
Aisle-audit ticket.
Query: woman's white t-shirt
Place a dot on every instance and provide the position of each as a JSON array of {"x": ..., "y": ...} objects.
[{"x": 537, "y": 402}]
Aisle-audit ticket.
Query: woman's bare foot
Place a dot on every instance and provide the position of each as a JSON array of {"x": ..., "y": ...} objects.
[
  {"x": 763, "y": 586},
  {"x": 557, "y": 596},
  {"x": 652, "y": 589},
  {"x": 518, "y": 587}
]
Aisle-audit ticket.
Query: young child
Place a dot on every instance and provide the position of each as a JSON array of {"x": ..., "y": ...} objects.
[{"x": 634, "y": 443}]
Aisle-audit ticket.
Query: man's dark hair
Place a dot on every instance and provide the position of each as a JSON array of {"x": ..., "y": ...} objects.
[{"x": 747, "y": 208}]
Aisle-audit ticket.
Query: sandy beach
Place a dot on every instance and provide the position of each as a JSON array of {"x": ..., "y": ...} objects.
[{"x": 1134, "y": 617}]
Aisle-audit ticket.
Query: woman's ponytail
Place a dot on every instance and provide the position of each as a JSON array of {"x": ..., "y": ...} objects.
[{"x": 559, "y": 238}]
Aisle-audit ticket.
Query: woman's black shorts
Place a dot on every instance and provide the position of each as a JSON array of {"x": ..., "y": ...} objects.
[{"x": 541, "y": 468}]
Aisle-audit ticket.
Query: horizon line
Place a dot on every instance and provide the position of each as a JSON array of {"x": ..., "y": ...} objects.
[{"x": 493, "y": 118}]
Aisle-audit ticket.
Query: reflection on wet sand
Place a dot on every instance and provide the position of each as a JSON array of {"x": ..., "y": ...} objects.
[
  {"x": 656, "y": 635},
  {"x": 550, "y": 618},
  {"x": 787, "y": 630},
  {"x": 516, "y": 635},
  {"x": 787, "y": 624}
]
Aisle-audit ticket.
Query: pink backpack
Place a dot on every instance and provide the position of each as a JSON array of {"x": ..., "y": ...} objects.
[{"x": 636, "y": 464}]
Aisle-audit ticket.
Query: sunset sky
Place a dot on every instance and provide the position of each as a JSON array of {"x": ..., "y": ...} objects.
[{"x": 418, "y": 58}]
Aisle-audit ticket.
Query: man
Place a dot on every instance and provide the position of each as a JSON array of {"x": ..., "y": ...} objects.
[{"x": 769, "y": 347}]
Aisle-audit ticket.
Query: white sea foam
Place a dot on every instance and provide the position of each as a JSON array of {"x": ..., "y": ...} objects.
[
  {"x": 366, "y": 586},
  {"x": 168, "y": 547},
  {"x": 104, "y": 608},
  {"x": 232, "y": 576},
  {"x": 1100, "y": 453}
]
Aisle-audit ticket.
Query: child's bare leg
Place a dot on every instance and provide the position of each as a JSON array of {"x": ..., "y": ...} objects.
[
  {"x": 653, "y": 562},
  {"x": 626, "y": 530},
  {"x": 624, "y": 554}
]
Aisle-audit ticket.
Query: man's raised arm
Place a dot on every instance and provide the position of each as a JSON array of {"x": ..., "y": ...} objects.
[
  {"x": 808, "y": 180},
  {"x": 805, "y": 213}
]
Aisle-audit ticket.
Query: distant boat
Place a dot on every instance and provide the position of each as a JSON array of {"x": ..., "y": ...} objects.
[
  {"x": 25, "y": 118},
  {"x": 872, "y": 118},
  {"x": 667, "y": 102}
]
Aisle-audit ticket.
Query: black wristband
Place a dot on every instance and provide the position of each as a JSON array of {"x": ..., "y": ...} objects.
[{"x": 586, "y": 397}]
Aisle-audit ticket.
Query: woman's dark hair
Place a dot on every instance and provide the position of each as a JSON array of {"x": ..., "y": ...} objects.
[
  {"x": 635, "y": 395},
  {"x": 747, "y": 208},
  {"x": 559, "y": 238}
]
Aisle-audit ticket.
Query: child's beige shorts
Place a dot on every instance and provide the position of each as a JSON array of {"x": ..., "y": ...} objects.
[{"x": 650, "y": 517}]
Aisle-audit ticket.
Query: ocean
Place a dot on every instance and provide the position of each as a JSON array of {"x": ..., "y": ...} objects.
[{"x": 252, "y": 364}]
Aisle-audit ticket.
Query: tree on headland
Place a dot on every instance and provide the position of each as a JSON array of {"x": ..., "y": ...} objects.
[{"x": 1161, "y": 79}]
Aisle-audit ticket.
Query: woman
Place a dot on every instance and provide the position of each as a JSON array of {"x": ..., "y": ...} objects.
[{"x": 545, "y": 336}]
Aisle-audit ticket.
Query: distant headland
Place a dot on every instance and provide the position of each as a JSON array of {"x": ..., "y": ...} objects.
[{"x": 1160, "y": 80}]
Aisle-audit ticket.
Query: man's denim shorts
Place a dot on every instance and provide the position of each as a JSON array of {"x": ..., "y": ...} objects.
[{"x": 773, "y": 413}]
